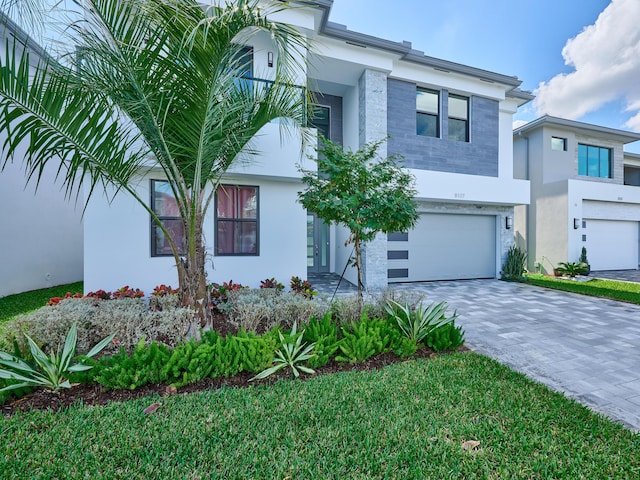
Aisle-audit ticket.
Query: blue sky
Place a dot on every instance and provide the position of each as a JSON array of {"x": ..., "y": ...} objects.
[{"x": 597, "y": 80}]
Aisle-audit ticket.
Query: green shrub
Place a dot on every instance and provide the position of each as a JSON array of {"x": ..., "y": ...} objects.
[
  {"x": 515, "y": 264},
  {"x": 51, "y": 371},
  {"x": 571, "y": 269},
  {"x": 190, "y": 362},
  {"x": 292, "y": 353},
  {"x": 366, "y": 338},
  {"x": 217, "y": 356},
  {"x": 417, "y": 323},
  {"x": 324, "y": 333},
  {"x": 144, "y": 365},
  {"x": 446, "y": 337}
]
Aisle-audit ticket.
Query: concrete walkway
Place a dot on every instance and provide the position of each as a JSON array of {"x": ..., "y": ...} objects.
[
  {"x": 586, "y": 347},
  {"x": 623, "y": 275}
]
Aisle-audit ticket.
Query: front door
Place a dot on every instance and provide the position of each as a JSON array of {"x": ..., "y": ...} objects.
[{"x": 317, "y": 245}]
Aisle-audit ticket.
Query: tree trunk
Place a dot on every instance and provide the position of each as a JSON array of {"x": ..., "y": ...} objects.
[
  {"x": 192, "y": 277},
  {"x": 358, "y": 251}
]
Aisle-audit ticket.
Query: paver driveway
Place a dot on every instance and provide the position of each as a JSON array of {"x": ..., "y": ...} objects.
[{"x": 586, "y": 347}]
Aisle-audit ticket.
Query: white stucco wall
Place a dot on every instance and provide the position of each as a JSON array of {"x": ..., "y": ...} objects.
[
  {"x": 41, "y": 239},
  {"x": 118, "y": 244}
]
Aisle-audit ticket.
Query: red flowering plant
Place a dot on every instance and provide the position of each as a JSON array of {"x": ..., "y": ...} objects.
[
  {"x": 126, "y": 292},
  {"x": 272, "y": 283},
  {"x": 302, "y": 287},
  {"x": 99, "y": 295},
  {"x": 163, "y": 290},
  {"x": 219, "y": 293},
  {"x": 56, "y": 300}
]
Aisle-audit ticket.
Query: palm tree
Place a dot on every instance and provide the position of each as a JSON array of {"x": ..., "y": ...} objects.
[{"x": 154, "y": 84}]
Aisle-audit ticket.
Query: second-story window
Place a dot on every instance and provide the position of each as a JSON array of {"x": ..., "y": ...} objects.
[
  {"x": 428, "y": 112},
  {"x": 458, "y": 118},
  {"x": 594, "y": 161},
  {"x": 559, "y": 143}
]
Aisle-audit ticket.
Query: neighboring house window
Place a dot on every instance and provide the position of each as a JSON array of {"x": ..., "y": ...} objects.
[
  {"x": 594, "y": 161},
  {"x": 164, "y": 204},
  {"x": 558, "y": 143},
  {"x": 236, "y": 220},
  {"x": 458, "y": 118},
  {"x": 243, "y": 65},
  {"x": 428, "y": 112},
  {"x": 321, "y": 120}
]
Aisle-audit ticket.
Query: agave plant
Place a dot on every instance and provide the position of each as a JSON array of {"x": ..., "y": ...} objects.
[
  {"x": 419, "y": 323},
  {"x": 50, "y": 371},
  {"x": 292, "y": 354}
]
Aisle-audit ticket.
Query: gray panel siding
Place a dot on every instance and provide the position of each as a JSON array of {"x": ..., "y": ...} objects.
[
  {"x": 335, "y": 105},
  {"x": 479, "y": 156}
]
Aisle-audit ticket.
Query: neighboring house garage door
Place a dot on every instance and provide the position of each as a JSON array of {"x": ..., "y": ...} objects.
[
  {"x": 612, "y": 244},
  {"x": 444, "y": 247}
]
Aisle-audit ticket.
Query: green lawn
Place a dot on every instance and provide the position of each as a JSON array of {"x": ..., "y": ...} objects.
[
  {"x": 408, "y": 420},
  {"x": 13, "y": 305},
  {"x": 625, "y": 291}
]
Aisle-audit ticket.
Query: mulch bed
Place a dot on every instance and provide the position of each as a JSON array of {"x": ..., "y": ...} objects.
[{"x": 95, "y": 394}]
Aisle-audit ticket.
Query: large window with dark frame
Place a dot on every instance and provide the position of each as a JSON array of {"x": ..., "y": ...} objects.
[
  {"x": 321, "y": 120},
  {"x": 458, "y": 118},
  {"x": 594, "y": 161},
  {"x": 428, "y": 112},
  {"x": 164, "y": 205},
  {"x": 236, "y": 220}
]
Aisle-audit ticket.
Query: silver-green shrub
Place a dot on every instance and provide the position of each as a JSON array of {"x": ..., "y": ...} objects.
[
  {"x": 129, "y": 318},
  {"x": 254, "y": 309}
]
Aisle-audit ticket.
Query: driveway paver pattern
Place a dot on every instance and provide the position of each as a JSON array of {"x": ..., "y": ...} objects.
[{"x": 586, "y": 347}]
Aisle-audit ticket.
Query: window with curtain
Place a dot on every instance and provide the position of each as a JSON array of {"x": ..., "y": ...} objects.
[
  {"x": 164, "y": 205},
  {"x": 236, "y": 221}
]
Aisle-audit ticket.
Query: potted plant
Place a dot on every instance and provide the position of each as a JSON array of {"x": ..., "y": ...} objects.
[{"x": 583, "y": 259}]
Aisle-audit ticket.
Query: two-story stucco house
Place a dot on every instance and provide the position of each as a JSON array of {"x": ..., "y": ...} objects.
[
  {"x": 584, "y": 193},
  {"x": 41, "y": 235},
  {"x": 451, "y": 122}
]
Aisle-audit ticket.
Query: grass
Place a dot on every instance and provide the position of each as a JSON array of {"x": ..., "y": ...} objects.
[
  {"x": 20, "y": 303},
  {"x": 409, "y": 420},
  {"x": 613, "y": 289}
]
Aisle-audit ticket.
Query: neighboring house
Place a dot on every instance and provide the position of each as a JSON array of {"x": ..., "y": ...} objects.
[
  {"x": 584, "y": 193},
  {"x": 41, "y": 244},
  {"x": 451, "y": 122}
]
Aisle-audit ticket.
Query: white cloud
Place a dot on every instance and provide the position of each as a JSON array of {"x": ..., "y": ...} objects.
[
  {"x": 606, "y": 61},
  {"x": 518, "y": 123}
]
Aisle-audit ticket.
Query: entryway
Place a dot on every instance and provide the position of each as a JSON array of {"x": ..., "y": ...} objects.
[{"x": 318, "y": 244}]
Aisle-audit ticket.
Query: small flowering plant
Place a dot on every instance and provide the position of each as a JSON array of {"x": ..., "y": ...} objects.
[
  {"x": 219, "y": 292},
  {"x": 272, "y": 283},
  {"x": 302, "y": 287},
  {"x": 99, "y": 295},
  {"x": 56, "y": 300},
  {"x": 163, "y": 290},
  {"x": 126, "y": 292}
]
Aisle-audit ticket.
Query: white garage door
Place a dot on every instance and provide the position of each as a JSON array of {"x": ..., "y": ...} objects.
[
  {"x": 444, "y": 247},
  {"x": 612, "y": 244}
]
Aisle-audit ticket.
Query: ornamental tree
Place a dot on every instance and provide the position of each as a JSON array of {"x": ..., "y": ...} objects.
[
  {"x": 155, "y": 84},
  {"x": 360, "y": 191}
]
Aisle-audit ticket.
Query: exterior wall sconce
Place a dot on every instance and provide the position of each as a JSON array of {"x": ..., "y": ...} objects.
[
  {"x": 508, "y": 223},
  {"x": 270, "y": 59},
  {"x": 576, "y": 223}
]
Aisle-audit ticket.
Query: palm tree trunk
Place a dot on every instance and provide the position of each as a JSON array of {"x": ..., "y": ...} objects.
[{"x": 192, "y": 276}]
